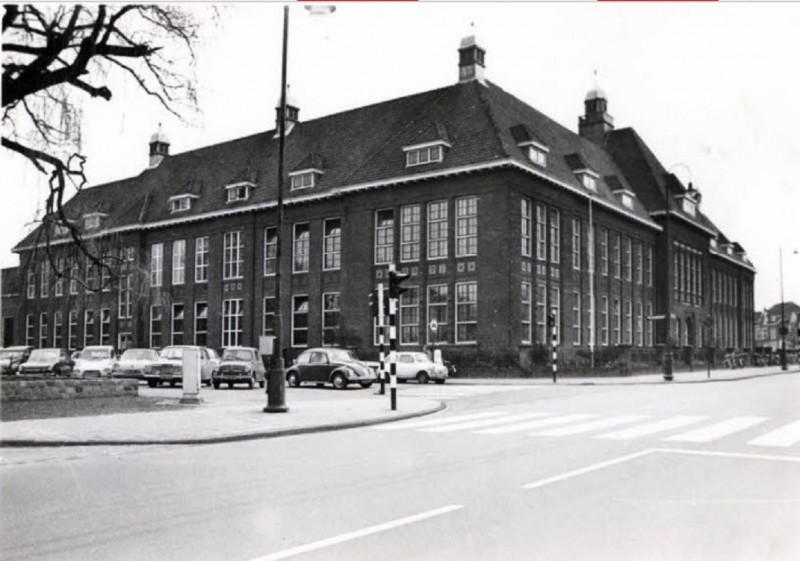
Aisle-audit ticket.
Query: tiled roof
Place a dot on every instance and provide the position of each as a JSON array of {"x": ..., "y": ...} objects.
[{"x": 357, "y": 147}]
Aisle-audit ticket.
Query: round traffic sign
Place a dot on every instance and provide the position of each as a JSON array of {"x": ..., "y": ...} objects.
[{"x": 434, "y": 325}]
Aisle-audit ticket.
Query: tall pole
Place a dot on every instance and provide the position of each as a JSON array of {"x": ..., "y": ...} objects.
[
  {"x": 591, "y": 285},
  {"x": 783, "y": 316},
  {"x": 668, "y": 311},
  {"x": 276, "y": 389}
]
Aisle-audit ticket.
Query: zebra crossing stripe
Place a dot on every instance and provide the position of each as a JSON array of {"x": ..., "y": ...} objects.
[
  {"x": 485, "y": 422},
  {"x": 438, "y": 421},
  {"x": 718, "y": 430},
  {"x": 652, "y": 428},
  {"x": 518, "y": 427},
  {"x": 592, "y": 425},
  {"x": 783, "y": 437}
]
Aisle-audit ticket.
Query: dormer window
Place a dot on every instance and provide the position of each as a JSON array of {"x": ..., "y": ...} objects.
[
  {"x": 239, "y": 191},
  {"x": 304, "y": 179},
  {"x": 427, "y": 153},
  {"x": 538, "y": 155},
  {"x": 588, "y": 178},
  {"x": 625, "y": 197},
  {"x": 689, "y": 206},
  {"x": 92, "y": 221},
  {"x": 180, "y": 203},
  {"x": 713, "y": 243}
]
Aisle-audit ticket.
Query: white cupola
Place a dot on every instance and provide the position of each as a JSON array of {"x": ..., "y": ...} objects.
[
  {"x": 471, "y": 60},
  {"x": 159, "y": 148}
]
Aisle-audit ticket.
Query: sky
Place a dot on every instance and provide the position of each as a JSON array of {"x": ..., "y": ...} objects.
[{"x": 713, "y": 88}]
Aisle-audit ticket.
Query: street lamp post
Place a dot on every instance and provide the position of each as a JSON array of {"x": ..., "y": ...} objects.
[
  {"x": 784, "y": 366},
  {"x": 276, "y": 386}
]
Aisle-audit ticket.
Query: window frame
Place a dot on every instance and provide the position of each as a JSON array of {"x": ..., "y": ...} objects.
[
  {"x": 410, "y": 233},
  {"x": 178, "y": 262},
  {"x": 458, "y": 304},
  {"x": 232, "y": 261},
  {"x": 232, "y": 317},
  {"x": 467, "y": 226},
  {"x": 156, "y": 265},
  {"x": 301, "y": 247},
  {"x": 332, "y": 244}
]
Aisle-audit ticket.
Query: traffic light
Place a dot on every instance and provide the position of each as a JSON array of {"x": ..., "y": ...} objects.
[
  {"x": 551, "y": 320},
  {"x": 395, "y": 278},
  {"x": 373, "y": 302}
]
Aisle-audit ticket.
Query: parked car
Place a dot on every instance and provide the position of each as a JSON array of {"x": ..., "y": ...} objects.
[
  {"x": 12, "y": 357},
  {"x": 134, "y": 363},
  {"x": 94, "y": 361},
  {"x": 47, "y": 361},
  {"x": 418, "y": 366},
  {"x": 168, "y": 369},
  {"x": 329, "y": 364},
  {"x": 239, "y": 365}
]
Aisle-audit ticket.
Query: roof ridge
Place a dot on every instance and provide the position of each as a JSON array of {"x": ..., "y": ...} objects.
[
  {"x": 487, "y": 106},
  {"x": 379, "y": 148}
]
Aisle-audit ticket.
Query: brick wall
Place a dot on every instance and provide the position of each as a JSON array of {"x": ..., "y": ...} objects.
[{"x": 35, "y": 389}]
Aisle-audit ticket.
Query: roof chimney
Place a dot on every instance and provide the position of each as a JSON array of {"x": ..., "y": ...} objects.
[
  {"x": 596, "y": 122},
  {"x": 159, "y": 148},
  {"x": 471, "y": 65}
]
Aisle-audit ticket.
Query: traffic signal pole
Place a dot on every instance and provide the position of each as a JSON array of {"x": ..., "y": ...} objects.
[
  {"x": 551, "y": 320},
  {"x": 381, "y": 337},
  {"x": 395, "y": 290}
]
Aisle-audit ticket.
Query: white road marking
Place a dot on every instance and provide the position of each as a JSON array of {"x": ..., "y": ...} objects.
[
  {"x": 587, "y": 469},
  {"x": 518, "y": 427},
  {"x": 636, "y": 455},
  {"x": 782, "y": 437},
  {"x": 485, "y": 422},
  {"x": 591, "y": 425},
  {"x": 718, "y": 430},
  {"x": 437, "y": 421},
  {"x": 792, "y": 459},
  {"x": 652, "y": 428},
  {"x": 313, "y": 546}
]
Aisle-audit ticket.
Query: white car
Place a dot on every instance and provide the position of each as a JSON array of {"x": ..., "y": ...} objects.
[
  {"x": 134, "y": 363},
  {"x": 94, "y": 361},
  {"x": 416, "y": 366}
]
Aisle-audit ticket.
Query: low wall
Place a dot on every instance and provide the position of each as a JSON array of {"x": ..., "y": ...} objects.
[{"x": 35, "y": 389}]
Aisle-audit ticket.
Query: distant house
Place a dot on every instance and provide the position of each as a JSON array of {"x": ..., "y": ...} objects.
[{"x": 768, "y": 324}]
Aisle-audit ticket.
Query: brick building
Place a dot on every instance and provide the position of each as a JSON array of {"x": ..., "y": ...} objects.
[{"x": 499, "y": 214}]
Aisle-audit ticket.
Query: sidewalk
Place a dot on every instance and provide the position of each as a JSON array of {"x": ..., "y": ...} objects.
[
  {"x": 216, "y": 420},
  {"x": 698, "y": 376},
  {"x": 220, "y": 419}
]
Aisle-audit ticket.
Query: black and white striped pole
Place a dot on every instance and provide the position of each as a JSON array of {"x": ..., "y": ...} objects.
[
  {"x": 551, "y": 322},
  {"x": 395, "y": 290},
  {"x": 393, "y": 352},
  {"x": 381, "y": 340}
]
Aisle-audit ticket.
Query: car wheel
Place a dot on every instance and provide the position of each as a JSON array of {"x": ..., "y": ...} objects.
[
  {"x": 216, "y": 385},
  {"x": 339, "y": 381},
  {"x": 365, "y": 384},
  {"x": 402, "y": 380},
  {"x": 261, "y": 384},
  {"x": 440, "y": 381},
  {"x": 152, "y": 383},
  {"x": 423, "y": 378},
  {"x": 172, "y": 383},
  {"x": 230, "y": 384},
  {"x": 251, "y": 382},
  {"x": 293, "y": 379}
]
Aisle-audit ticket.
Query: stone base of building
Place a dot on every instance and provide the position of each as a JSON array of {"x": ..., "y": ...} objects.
[{"x": 29, "y": 388}]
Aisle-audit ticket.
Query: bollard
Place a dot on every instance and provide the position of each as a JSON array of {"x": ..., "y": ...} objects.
[{"x": 191, "y": 377}]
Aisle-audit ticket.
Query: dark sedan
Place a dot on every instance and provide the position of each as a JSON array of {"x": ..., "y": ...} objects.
[
  {"x": 48, "y": 361},
  {"x": 329, "y": 364}
]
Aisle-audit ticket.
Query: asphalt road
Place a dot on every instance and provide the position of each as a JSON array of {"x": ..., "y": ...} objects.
[{"x": 683, "y": 472}]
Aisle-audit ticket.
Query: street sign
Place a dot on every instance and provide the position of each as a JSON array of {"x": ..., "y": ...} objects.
[{"x": 434, "y": 325}]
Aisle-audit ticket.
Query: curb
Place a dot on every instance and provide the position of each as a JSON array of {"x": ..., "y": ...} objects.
[
  {"x": 614, "y": 381},
  {"x": 30, "y": 443}
]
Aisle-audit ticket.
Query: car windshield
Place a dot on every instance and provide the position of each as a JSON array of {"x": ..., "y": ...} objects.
[
  {"x": 95, "y": 354},
  {"x": 44, "y": 355},
  {"x": 139, "y": 354},
  {"x": 237, "y": 354},
  {"x": 341, "y": 354},
  {"x": 7, "y": 353},
  {"x": 171, "y": 352}
]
